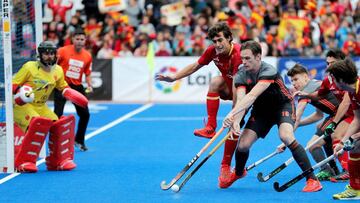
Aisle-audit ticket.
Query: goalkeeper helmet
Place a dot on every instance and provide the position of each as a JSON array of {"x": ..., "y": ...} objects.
[{"x": 47, "y": 47}]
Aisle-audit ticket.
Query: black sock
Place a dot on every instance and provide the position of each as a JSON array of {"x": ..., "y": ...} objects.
[
  {"x": 301, "y": 157},
  {"x": 241, "y": 158},
  {"x": 319, "y": 155},
  {"x": 329, "y": 151}
]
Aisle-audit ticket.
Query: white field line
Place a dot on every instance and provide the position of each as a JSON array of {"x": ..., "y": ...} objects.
[
  {"x": 92, "y": 134},
  {"x": 170, "y": 119}
]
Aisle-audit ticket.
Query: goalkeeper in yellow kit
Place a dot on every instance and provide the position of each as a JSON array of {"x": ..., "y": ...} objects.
[{"x": 32, "y": 86}]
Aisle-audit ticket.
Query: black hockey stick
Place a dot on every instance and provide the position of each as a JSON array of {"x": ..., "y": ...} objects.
[
  {"x": 305, "y": 173},
  {"x": 260, "y": 176}
]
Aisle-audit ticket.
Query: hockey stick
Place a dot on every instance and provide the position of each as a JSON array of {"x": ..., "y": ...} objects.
[
  {"x": 262, "y": 160},
  {"x": 202, "y": 162},
  {"x": 37, "y": 89},
  {"x": 305, "y": 173},
  {"x": 285, "y": 164},
  {"x": 165, "y": 186}
]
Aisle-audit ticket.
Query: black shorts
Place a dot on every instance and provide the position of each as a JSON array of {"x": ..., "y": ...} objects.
[
  {"x": 320, "y": 130},
  {"x": 262, "y": 120}
]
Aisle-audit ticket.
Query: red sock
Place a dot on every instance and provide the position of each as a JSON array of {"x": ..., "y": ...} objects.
[
  {"x": 229, "y": 149},
  {"x": 354, "y": 170},
  {"x": 212, "y": 104},
  {"x": 344, "y": 158}
]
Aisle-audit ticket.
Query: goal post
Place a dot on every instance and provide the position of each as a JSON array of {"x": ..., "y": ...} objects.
[
  {"x": 7, "y": 159},
  {"x": 21, "y": 32}
]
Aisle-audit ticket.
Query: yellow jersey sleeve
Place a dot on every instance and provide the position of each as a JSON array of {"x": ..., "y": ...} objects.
[{"x": 33, "y": 74}]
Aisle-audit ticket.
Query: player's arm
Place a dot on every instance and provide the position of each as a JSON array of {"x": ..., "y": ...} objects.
[
  {"x": 352, "y": 131},
  {"x": 314, "y": 117},
  {"x": 69, "y": 93},
  {"x": 240, "y": 94},
  {"x": 342, "y": 109},
  {"x": 188, "y": 70},
  {"x": 300, "y": 108},
  {"x": 20, "y": 78},
  {"x": 245, "y": 102},
  {"x": 354, "y": 126},
  {"x": 89, "y": 87},
  {"x": 312, "y": 96}
]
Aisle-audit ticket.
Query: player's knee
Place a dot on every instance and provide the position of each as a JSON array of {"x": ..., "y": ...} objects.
[
  {"x": 312, "y": 148},
  {"x": 64, "y": 123},
  {"x": 243, "y": 146},
  {"x": 216, "y": 84}
]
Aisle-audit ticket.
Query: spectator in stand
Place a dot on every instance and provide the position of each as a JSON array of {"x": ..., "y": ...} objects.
[
  {"x": 149, "y": 12},
  {"x": 202, "y": 24},
  {"x": 168, "y": 37},
  {"x": 142, "y": 49},
  {"x": 91, "y": 8},
  {"x": 181, "y": 45},
  {"x": 197, "y": 49},
  {"x": 162, "y": 50},
  {"x": 161, "y": 44},
  {"x": 52, "y": 34},
  {"x": 357, "y": 18},
  {"x": 134, "y": 12},
  {"x": 350, "y": 46},
  {"x": 342, "y": 32},
  {"x": 79, "y": 16},
  {"x": 105, "y": 51},
  {"x": 292, "y": 50},
  {"x": 125, "y": 50},
  {"x": 240, "y": 7},
  {"x": 163, "y": 26},
  {"x": 184, "y": 27},
  {"x": 60, "y": 30},
  {"x": 146, "y": 27},
  {"x": 92, "y": 26},
  {"x": 330, "y": 43},
  {"x": 109, "y": 25},
  {"x": 59, "y": 9},
  {"x": 74, "y": 24}
]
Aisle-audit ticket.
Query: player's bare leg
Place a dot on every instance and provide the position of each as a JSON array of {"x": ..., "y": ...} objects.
[
  {"x": 217, "y": 89},
  {"x": 343, "y": 158}
]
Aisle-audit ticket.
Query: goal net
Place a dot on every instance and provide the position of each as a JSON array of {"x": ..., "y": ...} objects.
[{"x": 21, "y": 31}]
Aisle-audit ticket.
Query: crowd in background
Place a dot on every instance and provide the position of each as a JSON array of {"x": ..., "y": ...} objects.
[{"x": 283, "y": 27}]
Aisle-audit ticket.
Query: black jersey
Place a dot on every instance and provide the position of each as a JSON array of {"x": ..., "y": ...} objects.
[
  {"x": 327, "y": 104},
  {"x": 276, "y": 94}
]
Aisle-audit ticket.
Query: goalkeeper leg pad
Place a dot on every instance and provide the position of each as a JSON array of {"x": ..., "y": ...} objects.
[
  {"x": 28, "y": 146},
  {"x": 61, "y": 144}
]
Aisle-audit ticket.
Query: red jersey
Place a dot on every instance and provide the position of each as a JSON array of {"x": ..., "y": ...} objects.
[
  {"x": 74, "y": 64},
  {"x": 328, "y": 85},
  {"x": 228, "y": 64},
  {"x": 355, "y": 97}
]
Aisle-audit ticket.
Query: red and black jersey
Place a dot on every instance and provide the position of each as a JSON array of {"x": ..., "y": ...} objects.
[
  {"x": 328, "y": 102},
  {"x": 328, "y": 85},
  {"x": 355, "y": 97}
]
